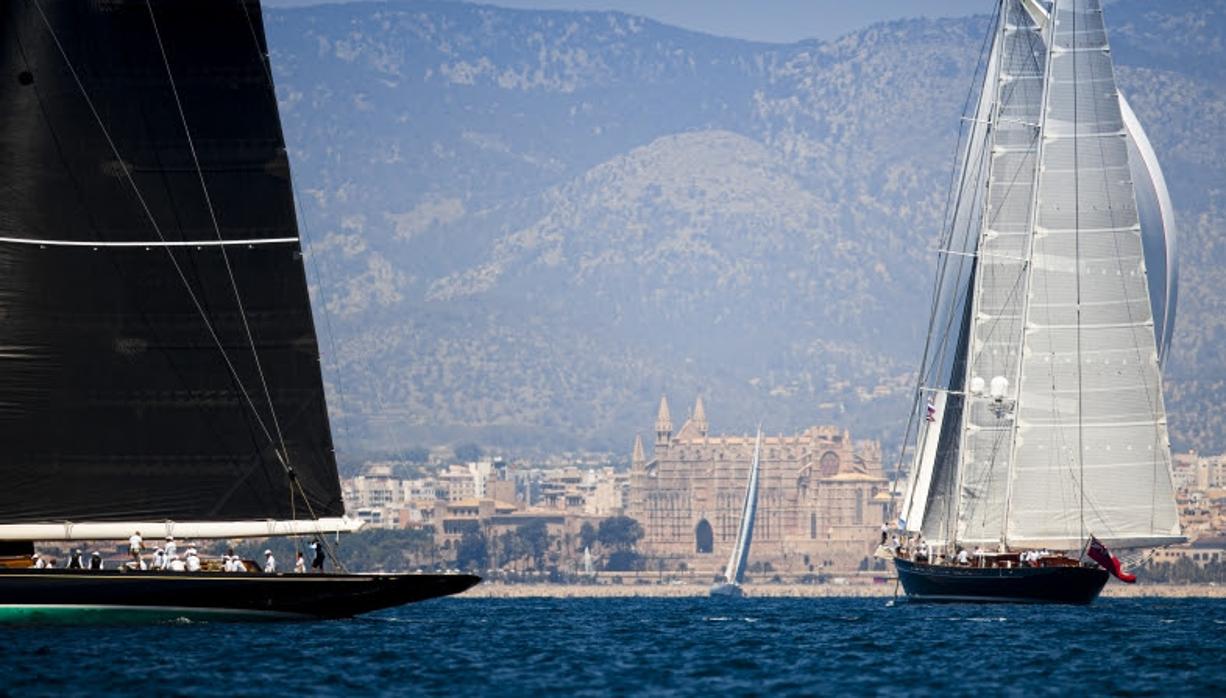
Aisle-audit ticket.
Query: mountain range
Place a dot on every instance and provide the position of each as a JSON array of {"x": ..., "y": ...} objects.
[{"x": 524, "y": 227}]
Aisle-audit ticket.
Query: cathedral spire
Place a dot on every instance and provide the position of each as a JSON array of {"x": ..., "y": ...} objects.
[
  {"x": 638, "y": 459},
  {"x": 664, "y": 423},
  {"x": 700, "y": 417}
]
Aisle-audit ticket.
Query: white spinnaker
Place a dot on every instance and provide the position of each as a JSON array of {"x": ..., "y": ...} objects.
[
  {"x": 735, "y": 571},
  {"x": 1000, "y": 278},
  {"x": 1091, "y": 454}
]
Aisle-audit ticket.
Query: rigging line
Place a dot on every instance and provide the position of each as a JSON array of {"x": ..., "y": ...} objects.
[
  {"x": 154, "y": 224},
  {"x": 208, "y": 201},
  {"x": 261, "y": 59}
]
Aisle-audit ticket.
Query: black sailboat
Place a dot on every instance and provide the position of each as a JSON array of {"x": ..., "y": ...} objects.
[
  {"x": 159, "y": 368},
  {"x": 1040, "y": 418}
]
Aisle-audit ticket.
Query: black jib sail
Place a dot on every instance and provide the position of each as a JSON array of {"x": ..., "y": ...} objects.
[{"x": 158, "y": 358}]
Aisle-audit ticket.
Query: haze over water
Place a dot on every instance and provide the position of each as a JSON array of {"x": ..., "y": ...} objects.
[{"x": 649, "y": 646}]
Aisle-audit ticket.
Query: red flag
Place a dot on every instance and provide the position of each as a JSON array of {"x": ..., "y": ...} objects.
[{"x": 1099, "y": 553}]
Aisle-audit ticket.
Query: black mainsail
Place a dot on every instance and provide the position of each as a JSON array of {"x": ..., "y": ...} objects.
[{"x": 158, "y": 357}]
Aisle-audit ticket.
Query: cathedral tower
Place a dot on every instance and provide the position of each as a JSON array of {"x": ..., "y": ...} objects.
[{"x": 664, "y": 424}]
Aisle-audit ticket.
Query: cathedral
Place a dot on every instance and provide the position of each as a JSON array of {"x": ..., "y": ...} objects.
[{"x": 822, "y": 498}]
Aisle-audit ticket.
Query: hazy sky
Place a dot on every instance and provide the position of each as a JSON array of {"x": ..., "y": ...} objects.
[{"x": 765, "y": 20}]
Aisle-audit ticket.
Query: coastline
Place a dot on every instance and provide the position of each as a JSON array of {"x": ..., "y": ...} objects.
[{"x": 499, "y": 590}]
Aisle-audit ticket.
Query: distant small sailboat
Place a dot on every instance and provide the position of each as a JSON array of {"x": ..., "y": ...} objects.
[{"x": 734, "y": 573}]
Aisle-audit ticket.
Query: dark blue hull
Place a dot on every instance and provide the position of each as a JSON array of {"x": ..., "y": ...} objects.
[
  {"x": 940, "y": 583},
  {"x": 52, "y": 595}
]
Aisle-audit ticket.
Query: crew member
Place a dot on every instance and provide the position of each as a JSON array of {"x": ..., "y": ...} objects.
[
  {"x": 963, "y": 558},
  {"x": 74, "y": 560},
  {"x": 134, "y": 545},
  {"x": 159, "y": 559},
  {"x": 270, "y": 562},
  {"x": 317, "y": 555},
  {"x": 39, "y": 562},
  {"x": 175, "y": 564},
  {"x": 95, "y": 560},
  {"x": 193, "y": 560},
  {"x": 300, "y": 564},
  {"x": 171, "y": 548}
]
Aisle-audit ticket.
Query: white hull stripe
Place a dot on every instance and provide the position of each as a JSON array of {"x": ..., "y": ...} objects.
[
  {"x": 152, "y": 530},
  {"x": 147, "y": 243}
]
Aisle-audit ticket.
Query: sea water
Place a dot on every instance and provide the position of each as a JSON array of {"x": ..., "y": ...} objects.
[{"x": 611, "y": 646}]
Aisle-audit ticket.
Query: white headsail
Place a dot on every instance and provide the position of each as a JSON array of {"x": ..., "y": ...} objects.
[{"x": 735, "y": 571}]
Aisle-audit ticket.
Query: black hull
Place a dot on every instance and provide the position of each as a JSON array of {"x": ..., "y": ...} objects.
[
  {"x": 51, "y": 595},
  {"x": 939, "y": 583}
]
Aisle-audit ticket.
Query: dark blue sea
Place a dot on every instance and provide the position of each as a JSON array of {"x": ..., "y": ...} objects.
[{"x": 619, "y": 647}]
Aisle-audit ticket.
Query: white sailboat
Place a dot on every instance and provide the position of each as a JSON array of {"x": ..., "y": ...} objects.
[
  {"x": 734, "y": 573},
  {"x": 1041, "y": 423}
]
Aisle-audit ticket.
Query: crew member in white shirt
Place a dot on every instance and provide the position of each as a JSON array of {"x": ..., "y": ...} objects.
[
  {"x": 270, "y": 562},
  {"x": 159, "y": 559},
  {"x": 171, "y": 548},
  {"x": 135, "y": 544},
  {"x": 193, "y": 560},
  {"x": 300, "y": 564}
]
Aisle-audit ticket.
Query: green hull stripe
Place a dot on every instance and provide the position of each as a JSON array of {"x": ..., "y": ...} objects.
[{"x": 84, "y": 614}]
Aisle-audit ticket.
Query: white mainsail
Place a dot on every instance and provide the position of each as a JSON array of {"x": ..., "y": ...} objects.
[
  {"x": 1092, "y": 453},
  {"x": 1063, "y": 428},
  {"x": 734, "y": 573}
]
